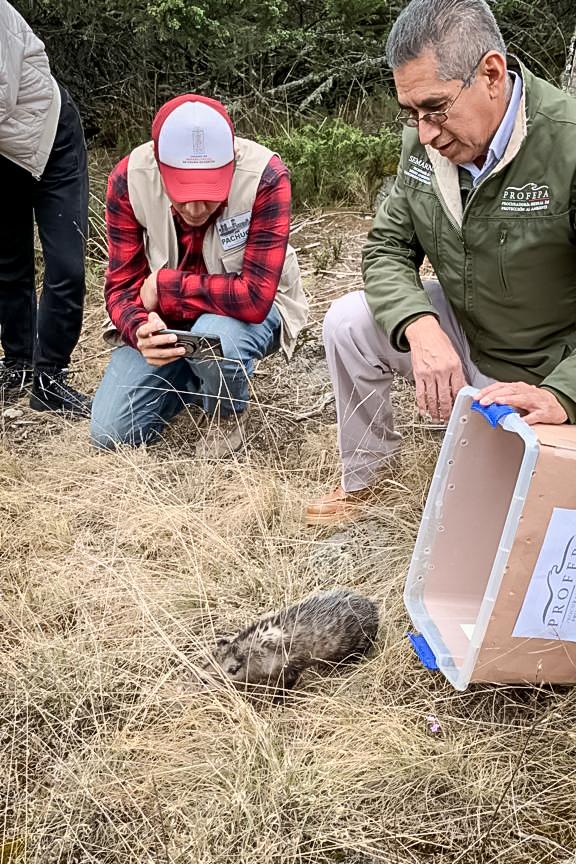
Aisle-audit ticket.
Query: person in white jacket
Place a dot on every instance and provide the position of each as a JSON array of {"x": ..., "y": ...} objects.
[{"x": 44, "y": 179}]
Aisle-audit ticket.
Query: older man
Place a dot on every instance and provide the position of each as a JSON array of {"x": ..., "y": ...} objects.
[
  {"x": 486, "y": 188},
  {"x": 198, "y": 225},
  {"x": 43, "y": 177}
]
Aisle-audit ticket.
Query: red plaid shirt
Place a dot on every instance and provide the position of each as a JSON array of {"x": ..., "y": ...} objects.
[{"x": 188, "y": 291}]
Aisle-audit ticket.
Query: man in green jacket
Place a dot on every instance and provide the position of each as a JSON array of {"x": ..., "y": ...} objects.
[{"x": 486, "y": 189}]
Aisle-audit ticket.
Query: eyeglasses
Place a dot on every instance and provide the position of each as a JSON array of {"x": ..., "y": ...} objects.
[{"x": 408, "y": 117}]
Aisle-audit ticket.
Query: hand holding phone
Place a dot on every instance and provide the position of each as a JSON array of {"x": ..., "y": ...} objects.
[
  {"x": 200, "y": 346},
  {"x": 156, "y": 350}
]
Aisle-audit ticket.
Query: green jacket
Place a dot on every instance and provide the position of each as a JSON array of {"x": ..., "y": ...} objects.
[{"x": 507, "y": 263}]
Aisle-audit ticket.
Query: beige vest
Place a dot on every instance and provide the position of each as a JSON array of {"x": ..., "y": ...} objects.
[
  {"x": 225, "y": 240},
  {"x": 29, "y": 96}
]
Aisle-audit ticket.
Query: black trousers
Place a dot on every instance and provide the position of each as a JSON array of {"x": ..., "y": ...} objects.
[{"x": 44, "y": 334}]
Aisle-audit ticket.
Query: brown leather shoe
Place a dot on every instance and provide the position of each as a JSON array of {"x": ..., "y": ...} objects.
[{"x": 337, "y": 506}]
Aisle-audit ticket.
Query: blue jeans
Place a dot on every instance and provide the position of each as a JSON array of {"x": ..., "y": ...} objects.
[{"x": 135, "y": 400}]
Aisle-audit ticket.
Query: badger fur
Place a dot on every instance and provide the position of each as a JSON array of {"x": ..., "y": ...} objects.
[{"x": 327, "y": 628}]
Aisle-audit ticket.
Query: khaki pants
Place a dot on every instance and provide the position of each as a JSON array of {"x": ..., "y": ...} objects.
[{"x": 362, "y": 363}]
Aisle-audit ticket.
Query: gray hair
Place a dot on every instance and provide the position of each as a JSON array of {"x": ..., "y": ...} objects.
[{"x": 459, "y": 32}]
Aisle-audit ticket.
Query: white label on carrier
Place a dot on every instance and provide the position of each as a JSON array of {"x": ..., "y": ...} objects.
[{"x": 549, "y": 608}]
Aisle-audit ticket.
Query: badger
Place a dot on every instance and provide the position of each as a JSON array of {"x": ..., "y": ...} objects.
[{"x": 325, "y": 629}]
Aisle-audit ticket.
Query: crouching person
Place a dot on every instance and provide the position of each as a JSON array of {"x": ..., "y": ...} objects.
[
  {"x": 478, "y": 193},
  {"x": 198, "y": 224}
]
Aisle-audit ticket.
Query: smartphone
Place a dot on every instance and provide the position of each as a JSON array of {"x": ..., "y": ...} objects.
[{"x": 202, "y": 346}]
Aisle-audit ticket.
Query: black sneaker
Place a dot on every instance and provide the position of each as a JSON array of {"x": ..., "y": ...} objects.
[
  {"x": 15, "y": 378},
  {"x": 50, "y": 392}
]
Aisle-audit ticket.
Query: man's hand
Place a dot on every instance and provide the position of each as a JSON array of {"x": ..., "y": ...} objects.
[
  {"x": 541, "y": 405},
  {"x": 438, "y": 371},
  {"x": 157, "y": 350},
  {"x": 149, "y": 292}
]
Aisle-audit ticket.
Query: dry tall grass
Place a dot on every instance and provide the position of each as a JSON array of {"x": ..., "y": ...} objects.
[{"x": 115, "y": 569}]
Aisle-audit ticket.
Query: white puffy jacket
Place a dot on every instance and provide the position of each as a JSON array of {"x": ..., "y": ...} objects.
[{"x": 29, "y": 95}]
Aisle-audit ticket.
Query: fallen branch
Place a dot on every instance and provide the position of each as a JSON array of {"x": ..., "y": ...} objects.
[{"x": 327, "y": 75}]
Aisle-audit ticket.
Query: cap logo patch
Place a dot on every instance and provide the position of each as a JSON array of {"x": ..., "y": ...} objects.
[{"x": 198, "y": 142}]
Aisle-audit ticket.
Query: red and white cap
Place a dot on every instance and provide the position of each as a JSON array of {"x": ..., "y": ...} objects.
[{"x": 194, "y": 147}]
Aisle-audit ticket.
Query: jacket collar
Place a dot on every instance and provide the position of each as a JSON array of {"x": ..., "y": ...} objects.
[{"x": 446, "y": 173}]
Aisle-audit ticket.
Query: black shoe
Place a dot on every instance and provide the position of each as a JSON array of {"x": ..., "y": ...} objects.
[
  {"x": 50, "y": 392},
  {"x": 15, "y": 377}
]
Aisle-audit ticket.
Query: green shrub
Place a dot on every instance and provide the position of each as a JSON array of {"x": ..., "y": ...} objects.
[
  {"x": 335, "y": 163},
  {"x": 264, "y": 58}
]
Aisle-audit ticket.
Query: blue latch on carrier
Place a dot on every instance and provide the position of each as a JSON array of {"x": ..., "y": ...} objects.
[
  {"x": 494, "y": 413},
  {"x": 423, "y": 650}
]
